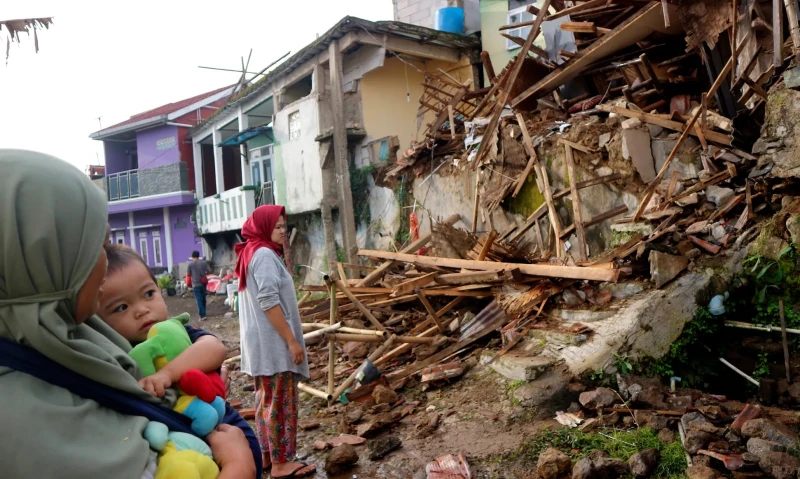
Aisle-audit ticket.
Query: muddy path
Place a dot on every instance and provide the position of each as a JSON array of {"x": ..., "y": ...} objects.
[{"x": 477, "y": 416}]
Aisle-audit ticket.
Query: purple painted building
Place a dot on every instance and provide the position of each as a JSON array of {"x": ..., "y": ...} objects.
[{"x": 150, "y": 179}]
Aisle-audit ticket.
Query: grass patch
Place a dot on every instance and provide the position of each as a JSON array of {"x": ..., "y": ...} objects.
[{"x": 618, "y": 444}]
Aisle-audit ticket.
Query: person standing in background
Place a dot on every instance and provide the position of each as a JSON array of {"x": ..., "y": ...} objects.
[{"x": 197, "y": 271}]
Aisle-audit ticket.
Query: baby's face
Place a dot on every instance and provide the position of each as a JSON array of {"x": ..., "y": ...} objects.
[{"x": 132, "y": 302}]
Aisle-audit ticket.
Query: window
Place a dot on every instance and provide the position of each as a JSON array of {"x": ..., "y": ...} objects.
[
  {"x": 294, "y": 125},
  {"x": 120, "y": 237},
  {"x": 143, "y": 247},
  {"x": 157, "y": 248},
  {"x": 516, "y": 16}
]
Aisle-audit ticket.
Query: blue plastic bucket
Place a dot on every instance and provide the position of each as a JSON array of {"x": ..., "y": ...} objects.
[{"x": 450, "y": 19}]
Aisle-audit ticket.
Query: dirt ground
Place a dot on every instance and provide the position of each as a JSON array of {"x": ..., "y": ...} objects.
[{"x": 477, "y": 417}]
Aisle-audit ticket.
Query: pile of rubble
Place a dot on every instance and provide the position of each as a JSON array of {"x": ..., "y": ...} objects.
[{"x": 719, "y": 436}]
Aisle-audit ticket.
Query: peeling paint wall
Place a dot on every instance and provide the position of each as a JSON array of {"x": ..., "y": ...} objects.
[{"x": 297, "y": 161}]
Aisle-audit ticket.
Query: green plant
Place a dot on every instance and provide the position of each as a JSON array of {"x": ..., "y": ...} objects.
[
  {"x": 618, "y": 444},
  {"x": 359, "y": 186},
  {"x": 682, "y": 357},
  {"x": 166, "y": 282},
  {"x": 622, "y": 363},
  {"x": 768, "y": 273},
  {"x": 404, "y": 229},
  {"x": 761, "y": 369}
]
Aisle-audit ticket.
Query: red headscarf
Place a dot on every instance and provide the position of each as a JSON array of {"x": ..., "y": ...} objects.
[{"x": 257, "y": 233}]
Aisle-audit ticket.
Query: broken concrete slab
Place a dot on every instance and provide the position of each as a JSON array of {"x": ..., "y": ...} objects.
[
  {"x": 665, "y": 267},
  {"x": 636, "y": 147},
  {"x": 684, "y": 163},
  {"x": 625, "y": 290},
  {"x": 518, "y": 367},
  {"x": 792, "y": 78},
  {"x": 718, "y": 195},
  {"x": 654, "y": 130},
  {"x": 631, "y": 123},
  {"x": 632, "y": 229},
  {"x": 603, "y": 139},
  {"x": 582, "y": 315}
]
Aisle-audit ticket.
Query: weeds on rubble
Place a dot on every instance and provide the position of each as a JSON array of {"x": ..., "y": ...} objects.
[
  {"x": 682, "y": 359},
  {"x": 512, "y": 386},
  {"x": 359, "y": 185},
  {"x": 404, "y": 230},
  {"x": 762, "y": 366},
  {"x": 622, "y": 363},
  {"x": 618, "y": 444}
]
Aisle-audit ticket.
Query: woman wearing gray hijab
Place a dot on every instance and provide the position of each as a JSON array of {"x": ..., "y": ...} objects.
[{"x": 52, "y": 265}]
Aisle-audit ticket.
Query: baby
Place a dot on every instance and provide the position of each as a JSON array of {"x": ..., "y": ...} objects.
[{"x": 132, "y": 303}]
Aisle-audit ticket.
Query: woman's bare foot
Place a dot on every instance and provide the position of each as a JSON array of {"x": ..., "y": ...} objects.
[
  {"x": 265, "y": 460},
  {"x": 292, "y": 469}
]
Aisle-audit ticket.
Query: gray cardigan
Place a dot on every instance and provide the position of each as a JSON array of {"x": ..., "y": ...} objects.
[{"x": 264, "y": 352}]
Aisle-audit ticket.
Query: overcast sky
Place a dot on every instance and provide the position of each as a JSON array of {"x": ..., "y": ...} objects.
[{"x": 103, "y": 59}]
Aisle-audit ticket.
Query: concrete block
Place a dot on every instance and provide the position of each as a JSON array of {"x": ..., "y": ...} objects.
[
  {"x": 792, "y": 78},
  {"x": 636, "y": 147},
  {"x": 518, "y": 367},
  {"x": 684, "y": 164},
  {"x": 664, "y": 267}
]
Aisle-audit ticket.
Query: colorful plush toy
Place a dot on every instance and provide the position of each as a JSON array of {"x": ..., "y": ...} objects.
[
  {"x": 180, "y": 455},
  {"x": 201, "y": 394}
]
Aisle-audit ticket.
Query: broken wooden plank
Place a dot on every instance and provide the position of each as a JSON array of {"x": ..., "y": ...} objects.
[
  {"x": 576, "y": 205},
  {"x": 634, "y": 29},
  {"x": 710, "y": 247},
  {"x": 367, "y": 314},
  {"x": 577, "y": 146},
  {"x": 711, "y": 136},
  {"x": 578, "y": 8},
  {"x": 376, "y": 275},
  {"x": 431, "y": 312},
  {"x": 409, "y": 286},
  {"x": 479, "y": 277},
  {"x": 578, "y": 27},
  {"x": 568, "y": 272},
  {"x": 596, "y": 219},
  {"x": 541, "y": 172}
]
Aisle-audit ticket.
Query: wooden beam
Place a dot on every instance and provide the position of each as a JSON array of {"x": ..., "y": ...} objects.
[
  {"x": 541, "y": 172},
  {"x": 480, "y": 277},
  {"x": 712, "y": 136},
  {"x": 491, "y": 128},
  {"x": 635, "y": 28},
  {"x": 576, "y": 205},
  {"x": 576, "y": 146},
  {"x": 367, "y": 314},
  {"x": 576, "y": 9},
  {"x": 777, "y": 33},
  {"x": 431, "y": 312},
  {"x": 551, "y": 271},
  {"x": 596, "y": 219},
  {"x": 578, "y": 27},
  {"x": 407, "y": 287},
  {"x": 487, "y": 65},
  {"x": 376, "y": 275}
]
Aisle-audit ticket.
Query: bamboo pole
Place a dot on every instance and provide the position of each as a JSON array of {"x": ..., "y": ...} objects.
[
  {"x": 785, "y": 344},
  {"x": 381, "y": 334},
  {"x": 739, "y": 371},
  {"x": 370, "y": 338},
  {"x": 331, "y": 343},
  {"x": 314, "y": 392},
  {"x": 372, "y": 357},
  {"x": 372, "y": 319},
  {"x": 322, "y": 332}
]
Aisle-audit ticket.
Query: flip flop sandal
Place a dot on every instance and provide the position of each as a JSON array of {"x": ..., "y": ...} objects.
[{"x": 296, "y": 472}]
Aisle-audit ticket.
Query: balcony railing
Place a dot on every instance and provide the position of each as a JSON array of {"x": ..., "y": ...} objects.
[
  {"x": 159, "y": 180},
  {"x": 123, "y": 185}
]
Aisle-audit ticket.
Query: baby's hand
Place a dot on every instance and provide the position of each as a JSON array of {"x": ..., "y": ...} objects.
[{"x": 157, "y": 383}]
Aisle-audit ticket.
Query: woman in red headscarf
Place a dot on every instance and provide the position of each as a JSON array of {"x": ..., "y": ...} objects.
[{"x": 273, "y": 351}]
